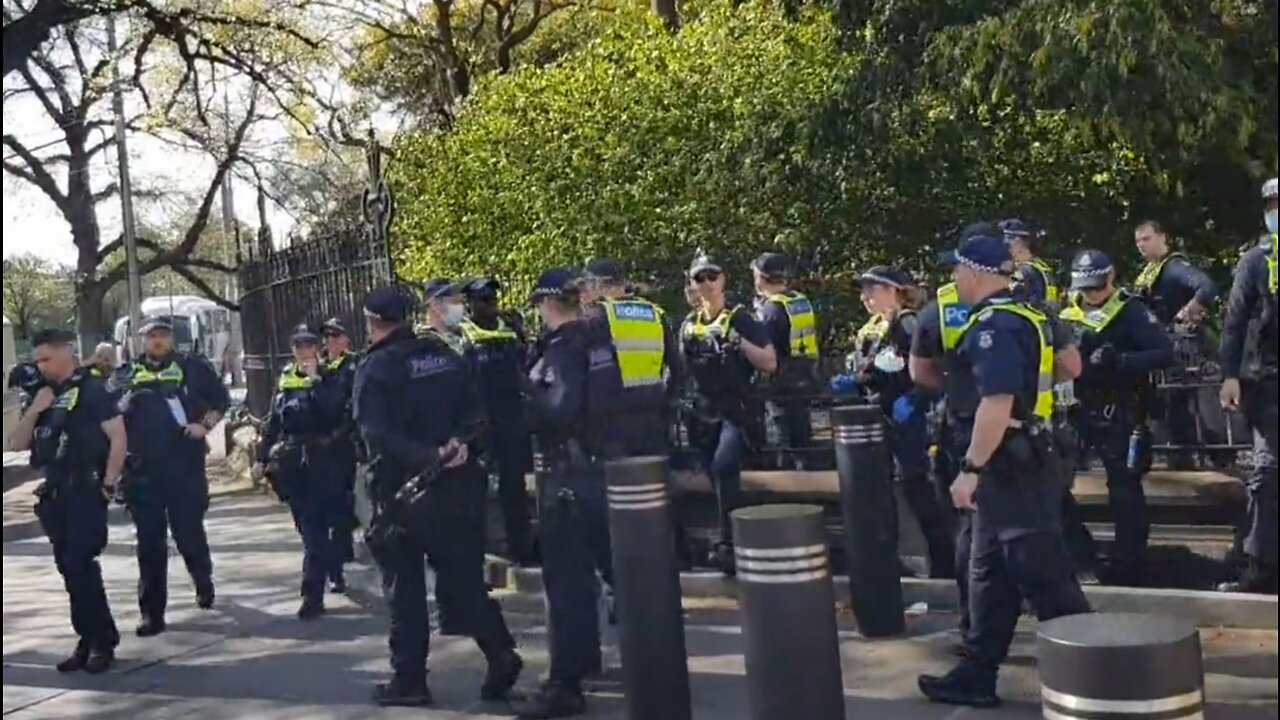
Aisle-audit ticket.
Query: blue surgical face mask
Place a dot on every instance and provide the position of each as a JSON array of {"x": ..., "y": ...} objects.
[
  {"x": 1271, "y": 221},
  {"x": 454, "y": 315}
]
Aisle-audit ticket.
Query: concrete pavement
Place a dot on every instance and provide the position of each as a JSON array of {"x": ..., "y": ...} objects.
[{"x": 250, "y": 658}]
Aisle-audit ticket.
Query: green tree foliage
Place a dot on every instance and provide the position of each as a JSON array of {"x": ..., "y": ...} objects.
[
  {"x": 37, "y": 295},
  {"x": 864, "y": 135}
]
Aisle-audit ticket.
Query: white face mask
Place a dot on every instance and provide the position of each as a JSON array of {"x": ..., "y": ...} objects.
[
  {"x": 1271, "y": 221},
  {"x": 454, "y": 314}
]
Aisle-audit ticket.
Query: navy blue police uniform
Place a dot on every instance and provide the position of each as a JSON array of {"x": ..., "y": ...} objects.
[
  {"x": 1034, "y": 281},
  {"x": 69, "y": 445},
  {"x": 882, "y": 347},
  {"x": 345, "y": 451},
  {"x": 724, "y": 403},
  {"x": 413, "y": 395},
  {"x": 1249, "y": 347},
  {"x": 1017, "y": 547},
  {"x": 297, "y": 449},
  {"x": 572, "y": 400},
  {"x": 1122, "y": 342},
  {"x": 166, "y": 488},
  {"x": 498, "y": 349}
]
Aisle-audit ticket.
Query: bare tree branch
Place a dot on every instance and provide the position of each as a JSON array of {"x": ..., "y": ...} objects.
[{"x": 35, "y": 171}]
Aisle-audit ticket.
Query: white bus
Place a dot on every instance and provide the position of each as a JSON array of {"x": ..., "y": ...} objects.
[{"x": 200, "y": 325}]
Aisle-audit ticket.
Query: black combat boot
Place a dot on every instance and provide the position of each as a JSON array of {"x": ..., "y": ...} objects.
[
  {"x": 310, "y": 609},
  {"x": 504, "y": 670},
  {"x": 204, "y": 594},
  {"x": 150, "y": 626},
  {"x": 1256, "y": 578},
  {"x": 76, "y": 660},
  {"x": 554, "y": 700},
  {"x": 398, "y": 693},
  {"x": 100, "y": 660},
  {"x": 965, "y": 685}
]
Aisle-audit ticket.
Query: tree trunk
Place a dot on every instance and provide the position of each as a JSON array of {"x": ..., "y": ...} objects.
[
  {"x": 667, "y": 11},
  {"x": 91, "y": 323}
]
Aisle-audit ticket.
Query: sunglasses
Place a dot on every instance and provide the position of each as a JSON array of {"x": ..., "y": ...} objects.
[{"x": 706, "y": 277}]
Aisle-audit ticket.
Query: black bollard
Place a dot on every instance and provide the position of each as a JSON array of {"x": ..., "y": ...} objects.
[
  {"x": 865, "y": 469},
  {"x": 789, "y": 614},
  {"x": 655, "y": 666},
  {"x": 1120, "y": 665}
]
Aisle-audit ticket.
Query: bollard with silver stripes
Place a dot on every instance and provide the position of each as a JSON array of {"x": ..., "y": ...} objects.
[
  {"x": 865, "y": 470},
  {"x": 655, "y": 666},
  {"x": 789, "y": 615},
  {"x": 1120, "y": 666}
]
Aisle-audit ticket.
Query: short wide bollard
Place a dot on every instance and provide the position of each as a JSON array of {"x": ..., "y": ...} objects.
[
  {"x": 784, "y": 587},
  {"x": 655, "y": 667},
  {"x": 1120, "y": 666}
]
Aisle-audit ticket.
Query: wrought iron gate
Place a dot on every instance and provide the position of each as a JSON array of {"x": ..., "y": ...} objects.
[{"x": 313, "y": 280}]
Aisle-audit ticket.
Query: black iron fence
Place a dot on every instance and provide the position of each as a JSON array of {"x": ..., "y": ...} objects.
[{"x": 309, "y": 281}]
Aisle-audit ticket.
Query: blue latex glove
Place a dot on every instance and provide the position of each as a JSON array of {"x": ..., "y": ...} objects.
[
  {"x": 844, "y": 384},
  {"x": 903, "y": 410}
]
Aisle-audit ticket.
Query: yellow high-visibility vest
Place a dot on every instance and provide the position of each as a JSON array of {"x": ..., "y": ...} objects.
[
  {"x": 1096, "y": 319},
  {"x": 1051, "y": 293},
  {"x": 953, "y": 315},
  {"x": 171, "y": 374},
  {"x": 477, "y": 335},
  {"x": 1151, "y": 273},
  {"x": 804, "y": 323},
  {"x": 291, "y": 379},
  {"x": 637, "y": 331},
  {"x": 1044, "y": 381}
]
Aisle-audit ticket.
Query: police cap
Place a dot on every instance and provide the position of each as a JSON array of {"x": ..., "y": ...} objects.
[
  {"x": 885, "y": 275},
  {"x": 481, "y": 288},
  {"x": 440, "y": 288},
  {"x": 555, "y": 282},
  {"x": 1090, "y": 269},
  {"x": 333, "y": 326},
  {"x": 982, "y": 248},
  {"x": 302, "y": 334},
  {"x": 155, "y": 323},
  {"x": 603, "y": 270},
  {"x": 771, "y": 265},
  {"x": 388, "y": 304},
  {"x": 704, "y": 263}
]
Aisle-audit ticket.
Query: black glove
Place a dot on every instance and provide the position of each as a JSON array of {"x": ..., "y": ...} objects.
[{"x": 1104, "y": 357}]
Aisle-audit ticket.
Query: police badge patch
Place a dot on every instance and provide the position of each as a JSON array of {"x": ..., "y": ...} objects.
[{"x": 985, "y": 340}]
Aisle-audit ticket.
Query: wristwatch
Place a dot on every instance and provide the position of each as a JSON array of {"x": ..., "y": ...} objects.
[{"x": 969, "y": 468}]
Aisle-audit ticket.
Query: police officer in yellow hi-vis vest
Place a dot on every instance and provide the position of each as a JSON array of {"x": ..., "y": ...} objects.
[
  {"x": 648, "y": 356},
  {"x": 1034, "y": 279},
  {"x": 1008, "y": 476},
  {"x": 1249, "y": 369},
  {"x": 497, "y": 346},
  {"x": 298, "y": 454},
  {"x": 792, "y": 326},
  {"x": 723, "y": 348},
  {"x": 1122, "y": 342}
]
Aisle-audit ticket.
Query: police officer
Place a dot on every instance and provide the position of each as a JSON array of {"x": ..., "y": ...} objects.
[
  {"x": 1249, "y": 369},
  {"x": 498, "y": 347},
  {"x": 1007, "y": 477},
  {"x": 792, "y": 327},
  {"x": 1034, "y": 279},
  {"x": 297, "y": 452},
  {"x": 77, "y": 438},
  {"x": 648, "y": 356},
  {"x": 339, "y": 369},
  {"x": 1123, "y": 343},
  {"x": 723, "y": 347},
  {"x": 573, "y": 393},
  {"x": 1178, "y": 293},
  {"x": 933, "y": 357},
  {"x": 417, "y": 411},
  {"x": 170, "y": 401},
  {"x": 881, "y": 350}
]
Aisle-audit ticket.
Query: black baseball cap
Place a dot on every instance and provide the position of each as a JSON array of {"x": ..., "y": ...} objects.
[
  {"x": 704, "y": 263},
  {"x": 333, "y": 325},
  {"x": 388, "y": 304},
  {"x": 440, "y": 288},
  {"x": 553, "y": 283},
  {"x": 481, "y": 287},
  {"x": 885, "y": 275},
  {"x": 154, "y": 323},
  {"x": 1090, "y": 269},
  {"x": 771, "y": 265}
]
